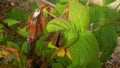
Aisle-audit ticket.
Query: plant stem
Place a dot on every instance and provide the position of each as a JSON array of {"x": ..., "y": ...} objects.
[{"x": 101, "y": 26}]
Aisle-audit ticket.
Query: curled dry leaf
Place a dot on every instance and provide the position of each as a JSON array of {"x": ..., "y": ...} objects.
[
  {"x": 41, "y": 20},
  {"x": 60, "y": 52},
  {"x": 32, "y": 25}
]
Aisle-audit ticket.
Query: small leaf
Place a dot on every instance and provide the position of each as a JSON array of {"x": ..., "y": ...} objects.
[
  {"x": 13, "y": 45},
  {"x": 50, "y": 45},
  {"x": 24, "y": 47},
  {"x": 61, "y": 52},
  {"x": 39, "y": 44},
  {"x": 11, "y": 21},
  {"x": 57, "y": 65},
  {"x": 33, "y": 5},
  {"x": 23, "y": 32},
  {"x": 59, "y": 8}
]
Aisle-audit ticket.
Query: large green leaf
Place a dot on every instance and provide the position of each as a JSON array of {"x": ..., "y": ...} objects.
[
  {"x": 79, "y": 15},
  {"x": 102, "y": 14},
  {"x": 85, "y": 50},
  {"x": 107, "y": 38},
  {"x": 68, "y": 30}
]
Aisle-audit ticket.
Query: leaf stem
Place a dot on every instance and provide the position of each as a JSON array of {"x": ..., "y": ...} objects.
[
  {"x": 50, "y": 14},
  {"x": 12, "y": 31}
]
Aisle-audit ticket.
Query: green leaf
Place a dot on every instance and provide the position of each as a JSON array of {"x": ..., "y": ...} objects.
[
  {"x": 53, "y": 1},
  {"x": 33, "y": 5},
  {"x": 11, "y": 21},
  {"x": 25, "y": 16},
  {"x": 57, "y": 65},
  {"x": 13, "y": 45},
  {"x": 83, "y": 1},
  {"x": 17, "y": 14},
  {"x": 24, "y": 47},
  {"x": 64, "y": 61},
  {"x": 102, "y": 15},
  {"x": 70, "y": 36},
  {"x": 84, "y": 50},
  {"x": 68, "y": 30},
  {"x": 78, "y": 14},
  {"x": 105, "y": 2},
  {"x": 107, "y": 39},
  {"x": 50, "y": 45},
  {"x": 62, "y": 1},
  {"x": 40, "y": 43},
  {"x": 57, "y": 24},
  {"x": 23, "y": 32},
  {"x": 59, "y": 8},
  {"x": 1, "y": 37}
]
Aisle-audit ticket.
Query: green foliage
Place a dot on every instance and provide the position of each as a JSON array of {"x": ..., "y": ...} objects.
[
  {"x": 105, "y": 2},
  {"x": 1, "y": 36},
  {"x": 53, "y": 1},
  {"x": 107, "y": 39},
  {"x": 40, "y": 43},
  {"x": 11, "y": 21},
  {"x": 23, "y": 31},
  {"x": 84, "y": 50},
  {"x": 83, "y": 45},
  {"x": 13, "y": 45},
  {"x": 83, "y": 1},
  {"x": 57, "y": 65},
  {"x": 62, "y": 1},
  {"x": 50, "y": 45},
  {"x": 24, "y": 47},
  {"x": 17, "y": 14},
  {"x": 59, "y": 8},
  {"x": 81, "y": 20},
  {"x": 67, "y": 28},
  {"x": 33, "y": 5},
  {"x": 102, "y": 14}
]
